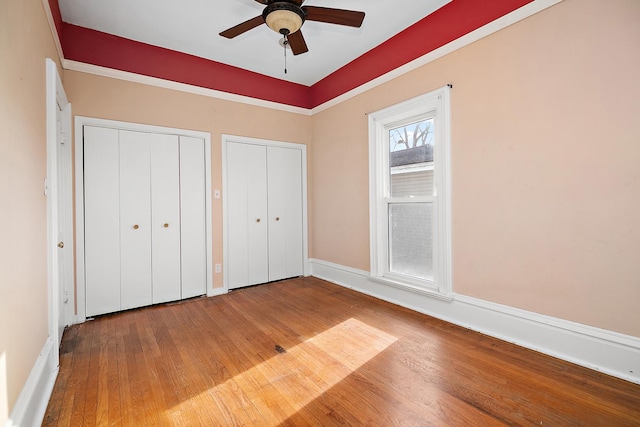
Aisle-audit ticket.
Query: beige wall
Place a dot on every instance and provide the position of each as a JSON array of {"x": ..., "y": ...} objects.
[
  {"x": 25, "y": 42},
  {"x": 545, "y": 165},
  {"x": 107, "y": 98}
]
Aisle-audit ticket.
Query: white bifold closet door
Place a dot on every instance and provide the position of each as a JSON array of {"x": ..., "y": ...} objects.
[
  {"x": 192, "y": 213},
  {"x": 247, "y": 217},
  {"x": 284, "y": 175},
  {"x": 144, "y": 218},
  {"x": 264, "y": 213},
  {"x": 135, "y": 220},
  {"x": 102, "y": 220},
  {"x": 165, "y": 217}
]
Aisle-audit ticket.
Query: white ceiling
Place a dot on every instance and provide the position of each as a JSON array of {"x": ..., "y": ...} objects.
[{"x": 192, "y": 26}]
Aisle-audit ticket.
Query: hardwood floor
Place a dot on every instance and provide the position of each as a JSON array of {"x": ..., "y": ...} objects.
[{"x": 306, "y": 352}]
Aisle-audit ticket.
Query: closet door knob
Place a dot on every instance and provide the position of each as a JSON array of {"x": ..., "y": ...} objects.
[
  {"x": 135, "y": 227},
  {"x": 277, "y": 218},
  {"x": 258, "y": 220},
  {"x": 166, "y": 225}
]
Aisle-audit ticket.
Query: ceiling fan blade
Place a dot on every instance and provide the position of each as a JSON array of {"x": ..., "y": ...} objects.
[
  {"x": 297, "y": 43},
  {"x": 349, "y": 18},
  {"x": 243, "y": 27}
]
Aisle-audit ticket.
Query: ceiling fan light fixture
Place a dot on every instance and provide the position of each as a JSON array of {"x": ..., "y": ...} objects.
[{"x": 283, "y": 18}]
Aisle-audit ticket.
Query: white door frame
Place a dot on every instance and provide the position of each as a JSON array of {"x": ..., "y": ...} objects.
[
  {"x": 80, "y": 122},
  {"x": 59, "y": 204},
  {"x": 305, "y": 229}
]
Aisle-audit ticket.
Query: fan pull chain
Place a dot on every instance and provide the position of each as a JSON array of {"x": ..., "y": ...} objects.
[{"x": 284, "y": 45}]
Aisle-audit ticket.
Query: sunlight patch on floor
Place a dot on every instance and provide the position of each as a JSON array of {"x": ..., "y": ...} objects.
[{"x": 278, "y": 388}]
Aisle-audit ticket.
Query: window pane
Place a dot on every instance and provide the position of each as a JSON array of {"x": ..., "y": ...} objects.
[
  {"x": 411, "y": 239},
  {"x": 411, "y": 159}
]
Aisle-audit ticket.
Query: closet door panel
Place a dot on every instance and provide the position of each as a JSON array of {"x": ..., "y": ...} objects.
[
  {"x": 193, "y": 209},
  {"x": 257, "y": 244},
  {"x": 237, "y": 215},
  {"x": 285, "y": 212},
  {"x": 135, "y": 217},
  {"x": 165, "y": 218},
  {"x": 102, "y": 220},
  {"x": 247, "y": 257}
]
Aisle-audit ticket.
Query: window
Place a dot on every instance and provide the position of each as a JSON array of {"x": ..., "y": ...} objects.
[{"x": 410, "y": 205}]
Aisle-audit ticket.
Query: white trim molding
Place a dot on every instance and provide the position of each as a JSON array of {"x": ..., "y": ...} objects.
[
  {"x": 606, "y": 351},
  {"x": 484, "y": 31},
  {"x": 214, "y": 292},
  {"x": 31, "y": 405},
  {"x": 480, "y": 33},
  {"x": 52, "y": 27},
  {"x": 181, "y": 87}
]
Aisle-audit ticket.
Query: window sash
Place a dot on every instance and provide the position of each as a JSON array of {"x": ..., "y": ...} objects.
[
  {"x": 421, "y": 199},
  {"x": 425, "y": 248},
  {"x": 383, "y": 270},
  {"x": 435, "y": 105}
]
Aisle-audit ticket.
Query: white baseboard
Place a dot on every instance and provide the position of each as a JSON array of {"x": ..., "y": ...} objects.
[
  {"x": 214, "y": 292},
  {"x": 32, "y": 402},
  {"x": 599, "y": 349}
]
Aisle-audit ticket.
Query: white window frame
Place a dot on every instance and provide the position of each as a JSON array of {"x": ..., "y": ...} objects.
[{"x": 436, "y": 105}]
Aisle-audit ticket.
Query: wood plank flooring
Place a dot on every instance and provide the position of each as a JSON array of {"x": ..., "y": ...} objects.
[{"x": 304, "y": 352}]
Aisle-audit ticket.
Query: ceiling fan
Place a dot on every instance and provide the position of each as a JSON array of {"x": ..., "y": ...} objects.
[{"x": 287, "y": 16}]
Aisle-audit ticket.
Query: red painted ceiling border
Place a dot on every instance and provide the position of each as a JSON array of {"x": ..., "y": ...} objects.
[
  {"x": 106, "y": 50},
  {"x": 448, "y": 23}
]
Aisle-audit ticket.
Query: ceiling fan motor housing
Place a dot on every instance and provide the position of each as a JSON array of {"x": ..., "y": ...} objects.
[{"x": 283, "y": 17}]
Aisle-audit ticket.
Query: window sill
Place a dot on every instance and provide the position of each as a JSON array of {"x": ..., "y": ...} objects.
[{"x": 434, "y": 293}]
